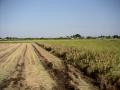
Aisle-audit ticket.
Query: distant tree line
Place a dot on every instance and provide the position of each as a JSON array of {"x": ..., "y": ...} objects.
[
  {"x": 105, "y": 37},
  {"x": 75, "y": 36},
  {"x": 78, "y": 36}
]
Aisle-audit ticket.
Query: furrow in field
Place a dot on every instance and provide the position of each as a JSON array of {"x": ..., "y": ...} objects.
[
  {"x": 56, "y": 67},
  {"x": 4, "y": 61},
  {"x": 8, "y": 68},
  {"x": 5, "y": 46},
  {"x": 36, "y": 76},
  {"x": 6, "y": 49},
  {"x": 57, "y": 74},
  {"x": 29, "y": 67},
  {"x": 2, "y": 45},
  {"x": 8, "y": 52},
  {"x": 57, "y": 63},
  {"x": 2, "y": 49},
  {"x": 68, "y": 77},
  {"x": 16, "y": 81}
]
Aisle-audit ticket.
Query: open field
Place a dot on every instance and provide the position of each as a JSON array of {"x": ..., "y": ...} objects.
[
  {"x": 97, "y": 59},
  {"x": 27, "y": 66},
  {"x": 79, "y": 65}
]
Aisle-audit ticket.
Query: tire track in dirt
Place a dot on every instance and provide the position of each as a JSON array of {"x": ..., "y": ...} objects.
[
  {"x": 55, "y": 67},
  {"x": 68, "y": 77},
  {"x": 8, "y": 52},
  {"x": 8, "y": 68},
  {"x": 5, "y": 47},
  {"x": 36, "y": 76},
  {"x": 16, "y": 81},
  {"x": 49, "y": 67},
  {"x": 29, "y": 73},
  {"x": 8, "y": 57},
  {"x": 30, "y": 67}
]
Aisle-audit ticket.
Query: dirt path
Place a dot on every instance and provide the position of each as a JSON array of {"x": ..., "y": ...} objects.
[
  {"x": 36, "y": 75},
  {"x": 66, "y": 75},
  {"x": 29, "y": 67}
]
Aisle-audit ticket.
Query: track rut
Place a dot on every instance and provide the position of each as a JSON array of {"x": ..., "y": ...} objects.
[{"x": 27, "y": 66}]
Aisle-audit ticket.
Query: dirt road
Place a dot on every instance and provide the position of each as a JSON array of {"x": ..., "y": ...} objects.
[{"x": 27, "y": 66}]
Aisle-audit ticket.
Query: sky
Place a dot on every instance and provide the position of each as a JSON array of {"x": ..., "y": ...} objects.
[{"x": 54, "y": 18}]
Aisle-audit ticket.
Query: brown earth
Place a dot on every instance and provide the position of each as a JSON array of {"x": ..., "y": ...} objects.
[{"x": 27, "y": 66}]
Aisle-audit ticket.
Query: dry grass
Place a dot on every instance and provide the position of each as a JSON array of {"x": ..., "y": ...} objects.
[
  {"x": 103, "y": 66},
  {"x": 7, "y": 67}
]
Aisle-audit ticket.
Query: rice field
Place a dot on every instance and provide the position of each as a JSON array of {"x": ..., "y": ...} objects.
[
  {"x": 27, "y": 66},
  {"x": 60, "y": 64},
  {"x": 97, "y": 59}
]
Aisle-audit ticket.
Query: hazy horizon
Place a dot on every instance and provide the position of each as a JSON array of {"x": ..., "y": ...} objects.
[{"x": 54, "y": 18}]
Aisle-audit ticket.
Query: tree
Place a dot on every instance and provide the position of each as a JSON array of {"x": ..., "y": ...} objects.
[
  {"x": 90, "y": 37},
  {"x": 76, "y": 36},
  {"x": 115, "y": 36}
]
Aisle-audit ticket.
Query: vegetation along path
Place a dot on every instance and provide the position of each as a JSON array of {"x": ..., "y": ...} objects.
[{"x": 27, "y": 66}]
